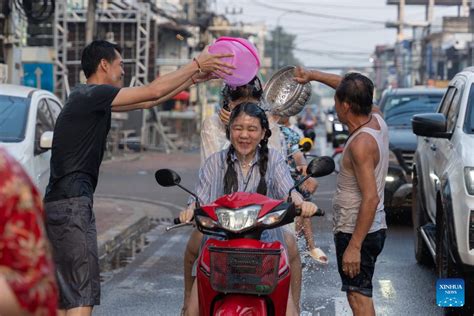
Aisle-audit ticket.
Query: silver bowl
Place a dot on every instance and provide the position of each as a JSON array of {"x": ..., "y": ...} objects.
[{"x": 283, "y": 95}]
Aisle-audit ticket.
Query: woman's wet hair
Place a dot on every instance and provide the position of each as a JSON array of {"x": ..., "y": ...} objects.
[
  {"x": 253, "y": 90},
  {"x": 230, "y": 177}
]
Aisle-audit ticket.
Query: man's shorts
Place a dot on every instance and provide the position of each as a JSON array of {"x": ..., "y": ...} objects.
[
  {"x": 70, "y": 225},
  {"x": 371, "y": 248}
]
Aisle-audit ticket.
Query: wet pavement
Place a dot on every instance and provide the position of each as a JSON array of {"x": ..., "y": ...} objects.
[{"x": 152, "y": 284}]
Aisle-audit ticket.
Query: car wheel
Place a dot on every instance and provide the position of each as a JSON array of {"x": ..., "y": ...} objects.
[
  {"x": 444, "y": 263},
  {"x": 422, "y": 253}
]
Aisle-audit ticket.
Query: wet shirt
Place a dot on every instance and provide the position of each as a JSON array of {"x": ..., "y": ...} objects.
[
  {"x": 348, "y": 197},
  {"x": 79, "y": 142},
  {"x": 25, "y": 260},
  {"x": 211, "y": 176},
  {"x": 292, "y": 140}
]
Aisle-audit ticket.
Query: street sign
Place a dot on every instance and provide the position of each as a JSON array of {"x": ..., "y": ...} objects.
[
  {"x": 39, "y": 75},
  {"x": 426, "y": 2}
]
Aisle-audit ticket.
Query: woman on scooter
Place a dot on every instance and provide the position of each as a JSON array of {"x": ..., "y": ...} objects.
[
  {"x": 248, "y": 165},
  {"x": 213, "y": 132}
]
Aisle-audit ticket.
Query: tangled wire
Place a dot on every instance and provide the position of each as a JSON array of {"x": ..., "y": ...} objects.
[{"x": 35, "y": 14}]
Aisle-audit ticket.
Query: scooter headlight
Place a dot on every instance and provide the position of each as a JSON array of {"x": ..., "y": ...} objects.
[{"x": 236, "y": 220}]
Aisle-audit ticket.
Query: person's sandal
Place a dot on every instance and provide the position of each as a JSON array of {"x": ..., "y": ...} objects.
[{"x": 318, "y": 255}]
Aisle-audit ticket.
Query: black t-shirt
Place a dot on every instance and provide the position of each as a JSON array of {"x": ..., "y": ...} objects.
[{"x": 79, "y": 142}]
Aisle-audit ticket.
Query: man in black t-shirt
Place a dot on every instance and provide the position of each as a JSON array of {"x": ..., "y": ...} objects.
[{"x": 78, "y": 147}]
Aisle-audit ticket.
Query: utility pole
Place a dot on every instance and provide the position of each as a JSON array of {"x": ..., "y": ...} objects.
[
  {"x": 90, "y": 23},
  {"x": 401, "y": 20},
  {"x": 429, "y": 11},
  {"x": 12, "y": 46},
  {"x": 465, "y": 8}
]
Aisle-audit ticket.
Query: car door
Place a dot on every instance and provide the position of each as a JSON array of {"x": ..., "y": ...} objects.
[
  {"x": 444, "y": 154},
  {"x": 44, "y": 122},
  {"x": 427, "y": 151}
]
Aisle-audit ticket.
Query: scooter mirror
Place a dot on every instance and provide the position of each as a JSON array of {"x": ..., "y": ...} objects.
[
  {"x": 321, "y": 166},
  {"x": 167, "y": 177}
]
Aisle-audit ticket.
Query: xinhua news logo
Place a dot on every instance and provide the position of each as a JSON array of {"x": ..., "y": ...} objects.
[{"x": 450, "y": 292}]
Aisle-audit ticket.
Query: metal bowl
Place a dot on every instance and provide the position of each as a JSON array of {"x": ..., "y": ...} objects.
[{"x": 283, "y": 95}]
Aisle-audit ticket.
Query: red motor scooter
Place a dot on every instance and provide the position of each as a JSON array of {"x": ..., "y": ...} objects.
[{"x": 239, "y": 274}]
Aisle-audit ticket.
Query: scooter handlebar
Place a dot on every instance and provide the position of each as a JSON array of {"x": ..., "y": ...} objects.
[
  {"x": 177, "y": 223},
  {"x": 319, "y": 212}
]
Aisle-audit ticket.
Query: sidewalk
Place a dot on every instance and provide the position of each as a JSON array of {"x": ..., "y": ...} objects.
[{"x": 121, "y": 226}]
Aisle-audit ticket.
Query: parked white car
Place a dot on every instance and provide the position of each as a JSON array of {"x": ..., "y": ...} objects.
[
  {"x": 27, "y": 119},
  {"x": 443, "y": 184}
]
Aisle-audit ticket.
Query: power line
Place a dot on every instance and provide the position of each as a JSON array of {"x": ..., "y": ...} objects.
[{"x": 321, "y": 15}]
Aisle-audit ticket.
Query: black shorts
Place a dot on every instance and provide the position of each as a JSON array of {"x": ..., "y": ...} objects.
[
  {"x": 70, "y": 225},
  {"x": 371, "y": 248}
]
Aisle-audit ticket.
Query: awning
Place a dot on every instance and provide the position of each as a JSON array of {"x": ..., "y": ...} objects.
[{"x": 182, "y": 96}]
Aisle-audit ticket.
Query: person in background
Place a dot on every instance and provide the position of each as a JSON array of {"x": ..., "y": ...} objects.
[
  {"x": 297, "y": 163},
  {"x": 27, "y": 283}
]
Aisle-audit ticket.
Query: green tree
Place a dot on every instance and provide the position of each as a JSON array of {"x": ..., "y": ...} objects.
[{"x": 280, "y": 48}]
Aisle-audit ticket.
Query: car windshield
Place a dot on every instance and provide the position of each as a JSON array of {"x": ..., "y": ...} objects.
[
  {"x": 399, "y": 109},
  {"x": 13, "y": 115}
]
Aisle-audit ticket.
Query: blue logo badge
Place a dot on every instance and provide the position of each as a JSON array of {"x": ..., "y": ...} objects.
[{"x": 450, "y": 292}]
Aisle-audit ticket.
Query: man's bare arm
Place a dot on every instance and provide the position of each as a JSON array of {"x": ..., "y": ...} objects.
[
  {"x": 331, "y": 80},
  {"x": 164, "y": 85},
  {"x": 303, "y": 75},
  {"x": 150, "y": 104}
]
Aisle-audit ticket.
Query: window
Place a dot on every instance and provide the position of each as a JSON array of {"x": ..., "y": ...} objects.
[
  {"x": 399, "y": 109},
  {"x": 13, "y": 117},
  {"x": 469, "y": 123},
  {"x": 448, "y": 98},
  {"x": 55, "y": 109},
  {"x": 452, "y": 114},
  {"x": 44, "y": 123}
]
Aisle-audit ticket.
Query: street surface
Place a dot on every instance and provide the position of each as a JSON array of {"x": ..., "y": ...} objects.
[{"x": 152, "y": 284}]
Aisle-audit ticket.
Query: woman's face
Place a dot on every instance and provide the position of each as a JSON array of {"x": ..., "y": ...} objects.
[{"x": 246, "y": 132}]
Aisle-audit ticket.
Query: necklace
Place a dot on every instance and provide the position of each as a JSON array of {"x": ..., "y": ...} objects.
[
  {"x": 359, "y": 127},
  {"x": 245, "y": 165}
]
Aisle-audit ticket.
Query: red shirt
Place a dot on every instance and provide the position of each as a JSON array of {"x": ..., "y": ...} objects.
[{"x": 25, "y": 253}]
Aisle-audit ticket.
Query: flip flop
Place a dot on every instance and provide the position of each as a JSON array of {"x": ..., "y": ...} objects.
[{"x": 318, "y": 255}]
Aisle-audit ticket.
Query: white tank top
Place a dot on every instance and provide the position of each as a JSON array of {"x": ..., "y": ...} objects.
[{"x": 348, "y": 197}]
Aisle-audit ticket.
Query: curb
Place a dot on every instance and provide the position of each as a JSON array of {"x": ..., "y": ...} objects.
[
  {"x": 128, "y": 236},
  {"x": 121, "y": 242},
  {"x": 132, "y": 157}
]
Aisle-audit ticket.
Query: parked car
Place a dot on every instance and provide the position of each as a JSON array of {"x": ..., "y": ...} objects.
[
  {"x": 329, "y": 119},
  {"x": 443, "y": 184},
  {"x": 398, "y": 107},
  {"x": 340, "y": 132},
  {"x": 27, "y": 119}
]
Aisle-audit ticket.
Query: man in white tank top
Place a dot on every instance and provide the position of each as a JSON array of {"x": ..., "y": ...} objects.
[{"x": 359, "y": 216}]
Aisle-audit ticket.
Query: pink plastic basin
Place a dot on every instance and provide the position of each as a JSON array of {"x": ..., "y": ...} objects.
[{"x": 245, "y": 59}]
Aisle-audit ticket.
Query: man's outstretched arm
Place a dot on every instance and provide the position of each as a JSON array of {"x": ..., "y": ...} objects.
[
  {"x": 162, "y": 86},
  {"x": 303, "y": 76}
]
